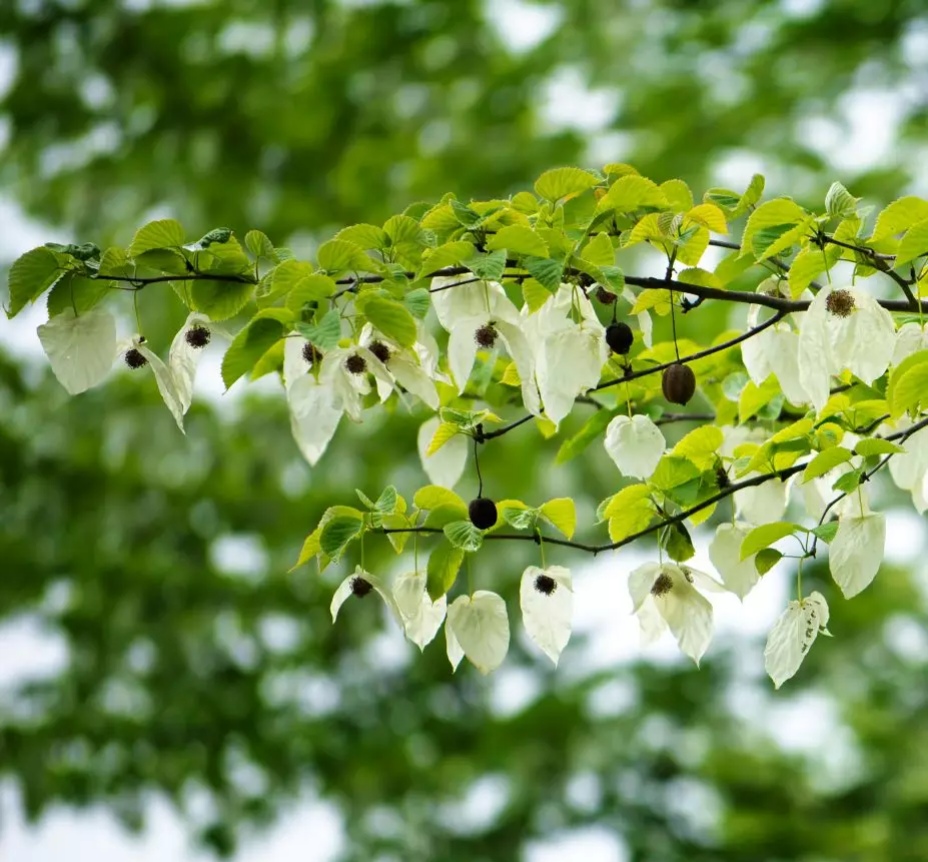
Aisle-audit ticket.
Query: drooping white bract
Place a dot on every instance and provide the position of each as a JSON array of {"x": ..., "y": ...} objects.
[
  {"x": 164, "y": 378},
  {"x": 360, "y": 583},
  {"x": 403, "y": 366},
  {"x": 909, "y": 469},
  {"x": 644, "y": 317},
  {"x": 569, "y": 356},
  {"x": 421, "y": 617},
  {"x": 775, "y": 351},
  {"x": 314, "y": 409},
  {"x": 844, "y": 328},
  {"x": 184, "y": 355},
  {"x": 344, "y": 370},
  {"x": 547, "y": 600},
  {"x": 480, "y": 627},
  {"x": 856, "y": 551},
  {"x": 80, "y": 349},
  {"x": 664, "y": 596},
  {"x": 635, "y": 444},
  {"x": 792, "y": 635},
  {"x": 761, "y": 504},
  {"x": 481, "y": 310},
  {"x": 738, "y": 575},
  {"x": 910, "y": 338},
  {"x": 446, "y": 466}
]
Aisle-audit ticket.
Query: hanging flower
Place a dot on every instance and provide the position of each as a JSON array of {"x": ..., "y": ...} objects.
[
  {"x": 480, "y": 315},
  {"x": 421, "y": 617},
  {"x": 855, "y": 553},
  {"x": 184, "y": 355},
  {"x": 345, "y": 370},
  {"x": 775, "y": 350},
  {"x": 910, "y": 338},
  {"x": 635, "y": 444},
  {"x": 80, "y": 349},
  {"x": 792, "y": 636},
  {"x": 738, "y": 575},
  {"x": 314, "y": 409},
  {"x": 547, "y": 600},
  {"x": 402, "y": 365},
  {"x": 844, "y": 328},
  {"x": 664, "y": 596},
  {"x": 569, "y": 356},
  {"x": 478, "y": 627},
  {"x": 136, "y": 355},
  {"x": 360, "y": 584},
  {"x": 446, "y": 466}
]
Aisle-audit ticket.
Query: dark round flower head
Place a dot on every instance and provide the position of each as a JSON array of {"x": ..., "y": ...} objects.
[
  {"x": 135, "y": 359},
  {"x": 360, "y": 587},
  {"x": 721, "y": 478},
  {"x": 197, "y": 336},
  {"x": 482, "y": 511},
  {"x": 606, "y": 297},
  {"x": 380, "y": 350},
  {"x": 619, "y": 337},
  {"x": 840, "y": 302},
  {"x": 356, "y": 364},
  {"x": 678, "y": 383},
  {"x": 310, "y": 354},
  {"x": 486, "y": 336},
  {"x": 662, "y": 585},
  {"x": 545, "y": 584}
]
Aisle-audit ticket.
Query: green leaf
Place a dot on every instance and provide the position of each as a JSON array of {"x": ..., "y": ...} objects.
[
  {"x": 914, "y": 244},
  {"x": 700, "y": 446},
  {"x": 489, "y": 266},
  {"x": 826, "y": 532},
  {"x": 547, "y": 272},
  {"x": 75, "y": 291},
  {"x": 164, "y": 233},
  {"x": 899, "y": 216},
  {"x": 220, "y": 300},
  {"x": 464, "y": 214},
  {"x": 433, "y": 496},
  {"x": 518, "y": 239},
  {"x": 30, "y": 276},
  {"x": 535, "y": 294},
  {"x": 559, "y": 183},
  {"x": 364, "y": 236},
  {"x": 338, "y": 255},
  {"x": 326, "y": 334},
  {"x": 441, "y": 516},
  {"x": 449, "y": 254},
  {"x": 418, "y": 302},
  {"x": 630, "y": 520},
  {"x": 260, "y": 246},
  {"x": 562, "y": 513},
  {"x": 444, "y": 432},
  {"x": 463, "y": 535},
  {"x": 753, "y": 397},
  {"x": 839, "y": 202},
  {"x": 338, "y": 533},
  {"x": 387, "y": 501},
  {"x": 848, "y": 482},
  {"x": 766, "y": 535},
  {"x": 825, "y": 461},
  {"x": 677, "y": 542},
  {"x": 443, "y": 566},
  {"x": 599, "y": 250},
  {"x": 766, "y": 559},
  {"x": 393, "y": 319},
  {"x": 780, "y": 213},
  {"x": 874, "y": 446},
  {"x": 404, "y": 230},
  {"x": 517, "y": 514},
  {"x": 249, "y": 346},
  {"x": 630, "y": 193},
  {"x": 308, "y": 289},
  {"x": 907, "y": 383}
]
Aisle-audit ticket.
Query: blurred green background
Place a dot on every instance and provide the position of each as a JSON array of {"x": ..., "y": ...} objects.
[{"x": 192, "y": 667}]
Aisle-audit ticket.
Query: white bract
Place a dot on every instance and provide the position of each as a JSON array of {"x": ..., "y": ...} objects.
[
  {"x": 911, "y": 338},
  {"x": 404, "y": 367},
  {"x": 547, "y": 600},
  {"x": 644, "y": 317},
  {"x": 445, "y": 466},
  {"x": 360, "y": 584},
  {"x": 164, "y": 378},
  {"x": 775, "y": 351},
  {"x": 843, "y": 329},
  {"x": 314, "y": 409},
  {"x": 909, "y": 469},
  {"x": 344, "y": 370},
  {"x": 479, "y": 626},
  {"x": 738, "y": 575},
  {"x": 80, "y": 349},
  {"x": 761, "y": 504},
  {"x": 482, "y": 310},
  {"x": 635, "y": 444},
  {"x": 184, "y": 355},
  {"x": 421, "y": 617},
  {"x": 792, "y": 635},
  {"x": 568, "y": 355},
  {"x": 856, "y": 551},
  {"x": 664, "y": 596}
]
